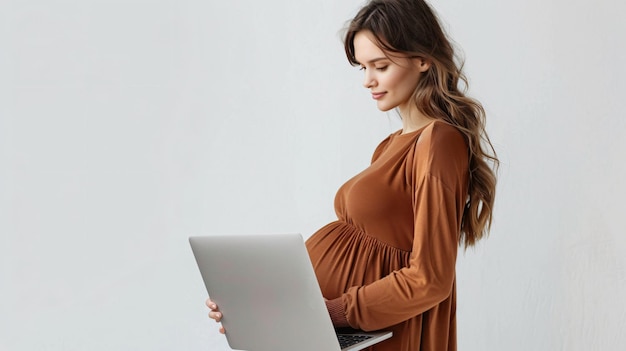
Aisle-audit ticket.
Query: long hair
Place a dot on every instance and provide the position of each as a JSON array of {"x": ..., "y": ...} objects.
[{"x": 411, "y": 28}]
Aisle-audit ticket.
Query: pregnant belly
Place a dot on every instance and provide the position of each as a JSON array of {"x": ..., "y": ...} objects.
[{"x": 343, "y": 256}]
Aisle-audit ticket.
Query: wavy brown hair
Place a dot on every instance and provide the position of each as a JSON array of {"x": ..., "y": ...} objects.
[{"x": 410, "y": 28}]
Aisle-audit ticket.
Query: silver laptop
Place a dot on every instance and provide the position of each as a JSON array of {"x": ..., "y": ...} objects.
[{"x": 266, "y": 289}]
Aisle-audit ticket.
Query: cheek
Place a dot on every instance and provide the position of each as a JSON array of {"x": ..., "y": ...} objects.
[
  {"x": 404, "y": 81},
  {"x": 406, "y": 86}
]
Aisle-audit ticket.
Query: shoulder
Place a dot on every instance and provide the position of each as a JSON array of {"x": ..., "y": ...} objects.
[
  {"x": 442, "y": 148},
  {"x": 442, "y": 136}
]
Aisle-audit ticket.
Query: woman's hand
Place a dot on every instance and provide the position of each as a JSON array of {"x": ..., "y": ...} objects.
[{"x": 215, "y": 313}]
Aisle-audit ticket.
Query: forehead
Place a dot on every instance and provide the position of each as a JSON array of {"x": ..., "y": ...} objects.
[{"x": 365, "y": 48}]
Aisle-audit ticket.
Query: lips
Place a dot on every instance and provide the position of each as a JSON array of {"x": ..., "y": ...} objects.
[{"x": 377, "y": 96}]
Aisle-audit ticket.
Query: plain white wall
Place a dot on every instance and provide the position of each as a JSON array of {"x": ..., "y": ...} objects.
[{"x": 126, "y": 126}]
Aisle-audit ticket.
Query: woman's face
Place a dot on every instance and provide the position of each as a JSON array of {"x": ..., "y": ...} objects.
[{"x": 391, "y": 82}]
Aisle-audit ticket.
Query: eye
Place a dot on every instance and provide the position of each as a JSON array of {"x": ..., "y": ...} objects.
[
  {"x": 361, "y": 68},
  {"x": 382, "y": 68}
]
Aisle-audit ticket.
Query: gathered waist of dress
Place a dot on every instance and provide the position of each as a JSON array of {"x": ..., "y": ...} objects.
[{"x": 344, "y": 230}]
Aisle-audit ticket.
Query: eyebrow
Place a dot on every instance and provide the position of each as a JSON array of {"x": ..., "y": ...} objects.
[{"x": 375, "y": 60}]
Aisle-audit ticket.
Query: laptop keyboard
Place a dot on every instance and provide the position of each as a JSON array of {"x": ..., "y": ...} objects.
[{"x": 346, "y": 340}]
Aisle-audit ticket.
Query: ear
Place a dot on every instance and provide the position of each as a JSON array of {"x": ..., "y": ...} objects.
[{"x": 422, "y": 64}]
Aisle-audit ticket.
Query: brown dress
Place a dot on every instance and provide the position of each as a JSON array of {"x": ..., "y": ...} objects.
[{"x": 390, "y": 257}]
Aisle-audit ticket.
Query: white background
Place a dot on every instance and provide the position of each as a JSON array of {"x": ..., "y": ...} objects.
[{"x": 126, "y": 126}]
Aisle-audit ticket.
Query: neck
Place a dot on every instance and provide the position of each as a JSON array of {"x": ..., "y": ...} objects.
[{"x": 412, "y": 119}]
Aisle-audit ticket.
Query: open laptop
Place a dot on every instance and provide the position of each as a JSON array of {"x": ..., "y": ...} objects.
[{"x": 266, "y": 289}]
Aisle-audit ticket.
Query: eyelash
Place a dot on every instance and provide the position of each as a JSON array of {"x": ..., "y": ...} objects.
[{"x": 381, "y": 69}]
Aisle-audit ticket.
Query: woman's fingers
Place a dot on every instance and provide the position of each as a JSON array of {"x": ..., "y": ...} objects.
[
  {"x": 210, "y": 304},
  {"x": 215, "y": 315}
]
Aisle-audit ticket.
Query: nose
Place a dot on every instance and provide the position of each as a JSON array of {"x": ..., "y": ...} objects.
[{"x": 368, "y": 81}]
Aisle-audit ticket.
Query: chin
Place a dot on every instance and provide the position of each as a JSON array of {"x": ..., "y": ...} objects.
[{"x": 385, "y": 108}]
